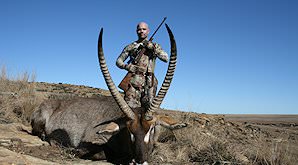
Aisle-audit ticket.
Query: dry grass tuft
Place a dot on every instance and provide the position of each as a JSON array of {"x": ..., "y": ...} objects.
[
  {"x": 18, "y": 98},
  {"x": 273, "y": 152},
  {"x": 192, "y": 145}
]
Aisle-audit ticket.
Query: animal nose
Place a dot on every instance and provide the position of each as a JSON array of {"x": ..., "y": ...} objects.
[{"x": 134, "y": 163}]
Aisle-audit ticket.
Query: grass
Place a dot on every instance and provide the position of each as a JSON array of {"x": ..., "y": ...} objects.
[
  {"x": 18, "y": 97},
  {"x": 224, "y": 143},
  {"x": 273, "y": 152},
  {"x": 192, "y": 145}
]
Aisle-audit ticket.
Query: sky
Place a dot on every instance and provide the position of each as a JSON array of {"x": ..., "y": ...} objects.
[{"x": 234, "y": 56}]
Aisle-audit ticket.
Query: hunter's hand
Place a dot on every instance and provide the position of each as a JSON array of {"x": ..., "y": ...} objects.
[
  {"x": 131, "y": 68},
  {"x": 149, "y": 45}
]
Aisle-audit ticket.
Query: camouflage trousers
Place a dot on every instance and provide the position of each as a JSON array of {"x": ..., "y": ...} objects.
[{"x": 141, "y": 91}]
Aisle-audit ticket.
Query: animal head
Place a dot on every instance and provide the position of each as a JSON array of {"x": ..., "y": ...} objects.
[{"x": 141, "y": 130}]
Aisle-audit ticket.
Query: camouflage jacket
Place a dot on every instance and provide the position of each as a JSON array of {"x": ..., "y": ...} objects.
[{"x": 131, "y": 51}]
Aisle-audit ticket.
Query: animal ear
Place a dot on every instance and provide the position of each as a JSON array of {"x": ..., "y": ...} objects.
[
  {"x": 170, "y": 123},
  {"x": 111, "y": 127}
]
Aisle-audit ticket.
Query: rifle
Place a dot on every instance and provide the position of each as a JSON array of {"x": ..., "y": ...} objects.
[{"x": 126, "y": 80}]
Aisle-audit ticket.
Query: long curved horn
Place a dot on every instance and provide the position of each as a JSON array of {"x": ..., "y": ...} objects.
[
  {"x": 169, "y": 75},
  {"x": 113, "y": 89}
]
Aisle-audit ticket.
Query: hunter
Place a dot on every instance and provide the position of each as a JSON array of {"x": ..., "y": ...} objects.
[{"x": 140, "y": 84}]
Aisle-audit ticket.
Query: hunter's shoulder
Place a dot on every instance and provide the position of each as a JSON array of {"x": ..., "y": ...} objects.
[{"x": 131, "y": 45}]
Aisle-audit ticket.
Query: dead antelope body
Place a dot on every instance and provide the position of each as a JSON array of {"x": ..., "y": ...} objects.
[{"x": 105, "y": 127}]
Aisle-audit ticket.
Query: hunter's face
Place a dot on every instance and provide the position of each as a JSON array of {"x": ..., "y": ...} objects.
[{"x": 142, "y": 30}]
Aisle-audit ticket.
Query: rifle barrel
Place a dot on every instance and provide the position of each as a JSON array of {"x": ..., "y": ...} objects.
[{"x": 164, "y": 19}]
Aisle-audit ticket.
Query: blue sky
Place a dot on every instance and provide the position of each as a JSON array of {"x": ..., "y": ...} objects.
[{"x": 234, "y": 56}]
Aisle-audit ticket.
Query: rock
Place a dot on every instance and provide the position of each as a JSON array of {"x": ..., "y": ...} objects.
[
  {"x": 10, "y": 157},
  {"x": 17, "y": 134},
  {"x": 9, "y": 133}
]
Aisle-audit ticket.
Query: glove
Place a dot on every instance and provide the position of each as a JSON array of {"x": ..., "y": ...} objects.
[{"x": 131, "y": 68}]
